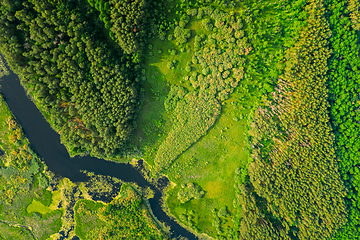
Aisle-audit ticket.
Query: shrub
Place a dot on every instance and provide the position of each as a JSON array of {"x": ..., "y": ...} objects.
[
  {"x": 223, "y": 212},
  {"x": 192, "y": 12},
  {"x": 200, "y": 13},
  {"x": 194, "y": 60},
  {"x": 207, "y": 24},
  {"x": 172, "y": 64},
  {"x": 198, "y": 38},
  {"x": 170, "y": 37},
  {"x": 190, "y": 191},
  {"x": 183, "y": 23},
  {"x": 172, "y": 51},
  {"x": 174, "y": 96},
  {"x": 197, "y": 45},
  {"x": 225, "y": 74},
  {"x": 162, "y": 36},
  {"x": 206, "y": 71}
]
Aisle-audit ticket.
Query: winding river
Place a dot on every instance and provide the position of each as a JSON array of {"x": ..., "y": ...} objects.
[{"x": 46, "y": 143}]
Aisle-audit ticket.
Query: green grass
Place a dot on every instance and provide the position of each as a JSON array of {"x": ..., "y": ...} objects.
[
  {"x": 210, "y": 162},
  {"x": 36, "y": 206},
  {"x": 154, "y": 122}
]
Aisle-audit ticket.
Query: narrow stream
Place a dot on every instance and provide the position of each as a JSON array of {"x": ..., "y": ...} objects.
[{"x": 46, "y": 143}]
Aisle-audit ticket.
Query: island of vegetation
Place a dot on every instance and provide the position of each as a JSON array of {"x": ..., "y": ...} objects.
[{"x": 249, "y": 108}]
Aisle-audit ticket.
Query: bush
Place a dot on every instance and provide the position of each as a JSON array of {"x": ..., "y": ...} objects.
[
  {"x": 182, "y": 35},
  {"x": 183, "y": 23},
  {"x": 174, "y": 96},
  {"x": 190, "y": 191},
  {"x": 170, "y": 37},
  {"x": 223, "y": 212},
  {"x": 200, "y": 13},
  {"x": 197, "y": 45},
  {"x": 192, "y": 12},
  {"x": 207, "y": 24},
  {"x": 225, "y": 74},
  {"x": 172, "y": 64},
  {"x": 206, "y": 71},
  {"x": 172, "y": 51},
  {"x": 194, "y": 60}
]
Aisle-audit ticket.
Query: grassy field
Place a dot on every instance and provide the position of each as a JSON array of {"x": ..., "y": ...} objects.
[
  {"x": 211, "y": 161},
  {"x": 37, "y": 206}
]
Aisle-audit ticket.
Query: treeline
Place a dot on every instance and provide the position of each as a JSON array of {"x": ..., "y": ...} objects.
[
  {"x": 3, "y": 68},
  {"x": 344, "y": 84},
  {"x": 295, "y": 190},
  {"x": 85, "y": 85}
]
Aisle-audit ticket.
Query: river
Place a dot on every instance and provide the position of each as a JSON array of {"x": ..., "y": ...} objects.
[{"x": 46, "y": 143}]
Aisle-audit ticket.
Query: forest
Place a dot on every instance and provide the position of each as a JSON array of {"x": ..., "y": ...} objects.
[
  {"x": 250, "y": 109},
  {"x": 84, "y": 84}
]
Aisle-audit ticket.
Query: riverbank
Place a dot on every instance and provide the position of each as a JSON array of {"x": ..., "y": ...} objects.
[{"x": 46, "y": 142}]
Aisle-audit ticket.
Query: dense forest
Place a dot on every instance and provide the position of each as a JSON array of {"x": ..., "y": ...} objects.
[
  {"x": 292, "y": 135},
  {"x": 85, "y": 84},
  {"x": 249, "y": 108}
]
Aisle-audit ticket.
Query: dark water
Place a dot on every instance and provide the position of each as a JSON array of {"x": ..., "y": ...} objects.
[{"x": 46, "y": 143}]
